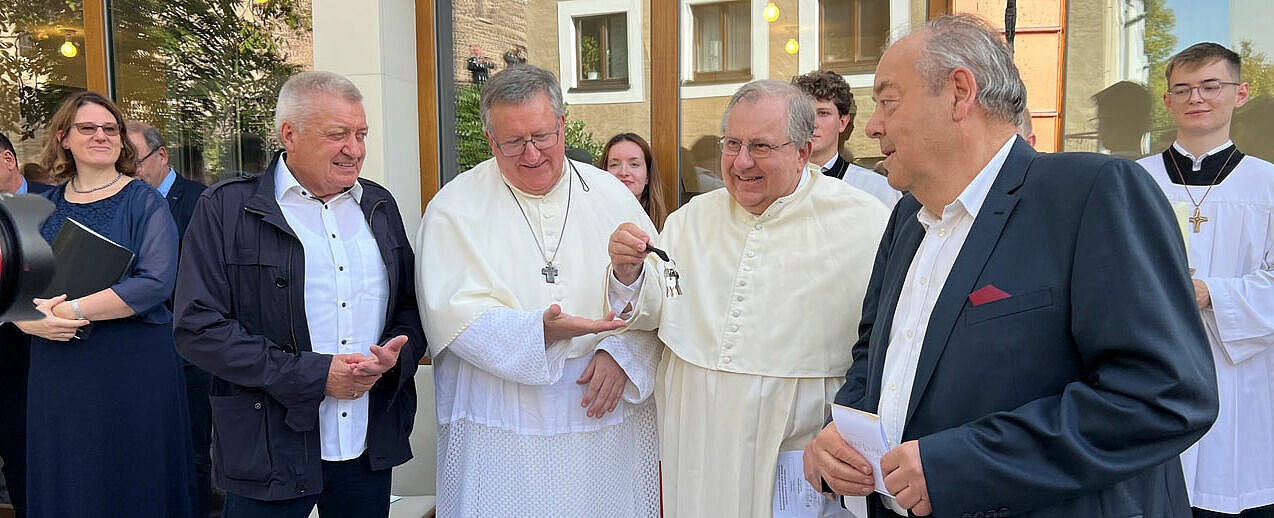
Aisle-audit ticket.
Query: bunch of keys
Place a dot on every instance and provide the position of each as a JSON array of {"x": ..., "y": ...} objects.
[{"x": 672, "y": 278}]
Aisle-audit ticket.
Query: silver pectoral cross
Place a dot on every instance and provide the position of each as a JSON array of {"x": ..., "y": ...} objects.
[{"x": 549, "y": 272}]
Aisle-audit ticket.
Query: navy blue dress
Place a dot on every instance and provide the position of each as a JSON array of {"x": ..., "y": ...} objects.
[{"x": 107, "y": 424}]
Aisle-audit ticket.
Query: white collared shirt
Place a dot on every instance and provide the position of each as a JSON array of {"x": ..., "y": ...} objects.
[
  {"x": 346, "y": 294},
  {"x": 944, "y": 237},
  {"x": 1197, "y": 161}
]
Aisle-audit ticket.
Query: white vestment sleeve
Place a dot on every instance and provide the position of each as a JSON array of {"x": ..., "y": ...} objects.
[
  {"x": 509, "y": 343},
  {"x": 620, "y": 296},
  {"x": 1244, "y": 309},
  {"x": 637, "y": 352}
]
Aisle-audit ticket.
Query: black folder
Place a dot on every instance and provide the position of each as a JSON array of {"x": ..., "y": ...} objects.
[{"x": 85, "y": 263}]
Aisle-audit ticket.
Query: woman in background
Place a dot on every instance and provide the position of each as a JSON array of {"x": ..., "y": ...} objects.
[
  {"x": 628, "y": 157},
  {"x": 108, "y": 430}
]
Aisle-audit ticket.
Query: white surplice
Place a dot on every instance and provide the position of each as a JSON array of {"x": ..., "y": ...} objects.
[
  {"x": 513, "y": 438},
  {"x": 1232, "y": 467},
  {"x": 759, "y": 342}
]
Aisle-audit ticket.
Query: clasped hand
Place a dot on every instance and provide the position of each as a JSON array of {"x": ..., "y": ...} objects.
[
  {"x": 51, "y": 327},
  {"x": 829, "y": 458},
  {"x": 352, "y": 375}
]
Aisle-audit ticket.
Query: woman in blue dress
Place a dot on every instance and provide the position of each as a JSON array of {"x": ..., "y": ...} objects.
[{"x": 107, "y": 422}]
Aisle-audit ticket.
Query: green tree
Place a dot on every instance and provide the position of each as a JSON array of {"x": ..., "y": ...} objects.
[{"x": 1159, "y": 43}]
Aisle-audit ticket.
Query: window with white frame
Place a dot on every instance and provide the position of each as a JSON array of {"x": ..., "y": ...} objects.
[
  {"x": 852, "y": 34},
  {"x": 722, "y": 42},
  {"x": 599, "y": 51},
  {"x": 601, "y": 46}
]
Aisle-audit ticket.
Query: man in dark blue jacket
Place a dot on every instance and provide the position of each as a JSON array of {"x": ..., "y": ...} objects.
[
  {"x": 1028, "y": 338},
  {"x": 296, "y": 292},
  {"x": 14, "y": 357}
]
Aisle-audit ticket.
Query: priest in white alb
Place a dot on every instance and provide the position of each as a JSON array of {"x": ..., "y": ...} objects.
[
  {"x": 1229, "y": 231},
  {"x": 538, "y": 413},
  {"x": 771, "y": 272}
]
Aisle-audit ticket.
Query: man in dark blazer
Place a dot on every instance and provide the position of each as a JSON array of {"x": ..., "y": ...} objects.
[
  {"x": 1028, "y": 337},
  {"x": 154, "y": 169},
  {"x": 296, "y": 291},
  {"x": 14, "y": 357}
]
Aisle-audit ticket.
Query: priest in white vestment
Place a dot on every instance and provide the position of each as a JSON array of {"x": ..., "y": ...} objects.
[
  {"x": 1228, "y": 199},
  {"x": 538, "y": 415},
  {"x": 772, "y": 271}
]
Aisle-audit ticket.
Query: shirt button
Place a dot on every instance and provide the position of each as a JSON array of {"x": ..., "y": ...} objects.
[
  {"x": 343, "y": 414},
  {"x": 757, "y": 226},
  {"x": 893, "y": 386},
  {"x": 340, "y": 268},
  {"x": 924, "y": 281},
  {"x": 734, "y": 329},
  {"x": 910, "y": 333},
  {"x": 739, "y": 298},
  {"x": 342, "y": 304},
  {"x": 343, "y": 341},
  {"x": 728, "y": 345},
  {"x": 743, "y": 283},
  {"x": 333, "y": 236},
  {"x": 725, "y": 360},
  {"x": 747, "y": 268},
  {"x": 942, "y": 232},
  {"x": 257, "y": 405},
  {"x": 734, "y": 313}
]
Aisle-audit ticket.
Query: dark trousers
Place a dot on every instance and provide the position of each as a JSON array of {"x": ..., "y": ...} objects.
[
  {"x": 14, "y": 359},
  {"x": 198, "y": 384},
  {"x": 350, "y": 490},
  {"x": 1255, "y": 512}
]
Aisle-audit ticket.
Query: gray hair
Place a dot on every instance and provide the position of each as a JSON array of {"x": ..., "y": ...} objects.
[
  {"x": 295, "y": 97},
  {"x": 967, "y": 41},
  {"x": 800, "y": 107},
  {"x": 153, "y": 138},
  {"x": 516, "y": 85}
]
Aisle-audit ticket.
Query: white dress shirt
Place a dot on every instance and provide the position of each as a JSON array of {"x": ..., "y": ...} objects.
[
  {"x": 944, "y": 237},
  {"x": 346, "y": 294}
]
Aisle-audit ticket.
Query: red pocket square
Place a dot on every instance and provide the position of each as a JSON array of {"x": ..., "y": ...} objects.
[{"x": 986, "y": 294}]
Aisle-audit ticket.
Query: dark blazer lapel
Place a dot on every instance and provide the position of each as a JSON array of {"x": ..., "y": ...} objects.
[
  {"x": 903, "y": 251},
  {"x": 174, "y": 196},
  {"x": 983, "y": 236}
]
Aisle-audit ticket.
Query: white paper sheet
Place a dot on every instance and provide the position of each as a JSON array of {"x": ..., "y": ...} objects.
[
  {"x": 864, "y": 432},
  {"x": 795, "y": 498}
]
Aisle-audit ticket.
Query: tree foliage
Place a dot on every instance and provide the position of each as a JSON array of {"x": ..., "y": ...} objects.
[{"x": 201, "y": 70}]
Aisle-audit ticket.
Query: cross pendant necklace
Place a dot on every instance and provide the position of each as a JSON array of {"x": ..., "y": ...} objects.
[
  {"x": 549, "y": 271},
  {"x": 1198, "y": 219}
]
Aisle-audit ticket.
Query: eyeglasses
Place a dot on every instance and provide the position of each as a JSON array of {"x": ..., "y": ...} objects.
[
  {"x": 541, "y": 141},
  {"x": 90, "y": 128},
  {"x": 730, "y": 146},
  {"x": 1208, "y": 90},
  {"x": 139, "y": 161}
]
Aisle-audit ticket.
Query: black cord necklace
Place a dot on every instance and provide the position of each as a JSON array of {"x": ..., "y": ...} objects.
[{"x": 549, "y": 271}]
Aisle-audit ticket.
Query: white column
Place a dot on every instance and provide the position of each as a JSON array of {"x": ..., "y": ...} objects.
[{"x": 373, "y": 42}]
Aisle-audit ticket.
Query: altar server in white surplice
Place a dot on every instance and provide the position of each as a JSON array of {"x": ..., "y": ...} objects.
[
  {"x": 1229, "y": 199},
  {"x": 772, "y": 271},
  {"x": 538, "y": 415}
]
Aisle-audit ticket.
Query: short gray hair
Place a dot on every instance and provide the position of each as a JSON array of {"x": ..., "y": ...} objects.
[
  {"x": 516, "y": 85},
  {"x": 151, "y": 135},
  {"x": 295, "y": 97},
  {"x": 800, "y": 107},
  {"x": 967, "y": 41}
]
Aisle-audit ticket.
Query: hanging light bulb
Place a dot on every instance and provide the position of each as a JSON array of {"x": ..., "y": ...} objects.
[
  {"x": 69, "y": 49},
  {"x": 771, "y": 12},
  {"x": 792, "y": 46}
]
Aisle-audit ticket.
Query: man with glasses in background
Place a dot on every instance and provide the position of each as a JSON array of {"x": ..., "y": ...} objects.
[
  {"x": 1228, "y": 202},
  {"x": 758, "y": 311},
  {"x": 154, "y": 169},
  {"x": 539, "y": 413}
]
